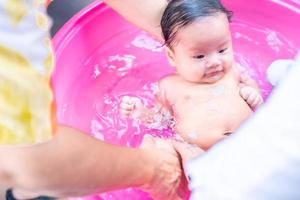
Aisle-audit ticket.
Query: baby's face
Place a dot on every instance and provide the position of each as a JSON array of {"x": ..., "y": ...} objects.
[{"x": 202, "y": 52}]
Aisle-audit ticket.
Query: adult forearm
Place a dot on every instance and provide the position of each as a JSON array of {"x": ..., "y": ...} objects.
[
  {"x": 144, "y": 14},
  {"x": 73, "y": 164}
]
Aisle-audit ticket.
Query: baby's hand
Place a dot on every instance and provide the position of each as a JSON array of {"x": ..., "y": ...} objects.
[
  {"x": 130, "y": 106},
  {"x": 251, "y": 96}
]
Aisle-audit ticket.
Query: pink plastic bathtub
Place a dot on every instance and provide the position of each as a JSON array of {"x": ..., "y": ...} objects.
[{"x": 100, "y": 57}]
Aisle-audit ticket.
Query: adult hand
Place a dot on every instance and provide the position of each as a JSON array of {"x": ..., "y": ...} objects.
[
  {"x": 187, "y": 151},
  {"x": 168, "y": 180}
]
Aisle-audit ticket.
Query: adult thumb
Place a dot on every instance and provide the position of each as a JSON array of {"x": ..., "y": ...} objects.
[{"x": 187, "y": 151}]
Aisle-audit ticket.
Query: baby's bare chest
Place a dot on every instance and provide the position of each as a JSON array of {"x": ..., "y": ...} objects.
[{"x": 221, "y": 104}]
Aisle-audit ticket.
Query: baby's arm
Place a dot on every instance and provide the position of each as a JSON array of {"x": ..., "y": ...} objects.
[
  {"x": 158, "y": 116},
  {"x": 249, "y": 91},
  {"x": 134, "y": 108}
]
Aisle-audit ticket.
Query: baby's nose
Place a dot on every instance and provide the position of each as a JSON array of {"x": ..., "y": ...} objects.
[
  {"x": 213, "y": 61},
  {"x": 213, "y": 64}
]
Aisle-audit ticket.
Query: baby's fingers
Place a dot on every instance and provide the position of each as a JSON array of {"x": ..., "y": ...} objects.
[
  {"x": 245, "y": 92},
  {"x": 126, "y": 106},
  {"x": 252, "y": 97},
  {"x": 125, "y": 113},
  {"x": 257, "y": 101}
]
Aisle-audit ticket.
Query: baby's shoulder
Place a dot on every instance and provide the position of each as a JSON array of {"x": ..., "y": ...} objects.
[
  {"x": 170, "y": 88},
  {"x": 170, "y": 81}
]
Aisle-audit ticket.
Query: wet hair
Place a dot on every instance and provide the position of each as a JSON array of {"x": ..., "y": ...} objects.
[{"x": 180, "y": 13}]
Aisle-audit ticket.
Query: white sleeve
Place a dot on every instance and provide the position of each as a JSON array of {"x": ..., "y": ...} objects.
[{"x": 262, "y": 160}]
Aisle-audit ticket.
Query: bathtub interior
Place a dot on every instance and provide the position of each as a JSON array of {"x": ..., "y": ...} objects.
[{"x": 100, "y": 57}]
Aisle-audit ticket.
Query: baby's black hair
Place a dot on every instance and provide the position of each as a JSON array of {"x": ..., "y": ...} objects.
[{"x": 180, "y": 13}]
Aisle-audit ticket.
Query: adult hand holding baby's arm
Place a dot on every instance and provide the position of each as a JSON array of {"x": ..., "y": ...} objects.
[
  {"x": 156, "y": 167},
  {"x": 168, "y": 181}
]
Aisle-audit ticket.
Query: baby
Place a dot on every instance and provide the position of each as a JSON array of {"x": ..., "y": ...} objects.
[{"x": 207, "y": 96}]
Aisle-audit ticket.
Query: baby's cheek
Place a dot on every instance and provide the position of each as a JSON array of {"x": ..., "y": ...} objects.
[
  {"x": 199, "y": 72},
  {"x": 228, "y": 62}
]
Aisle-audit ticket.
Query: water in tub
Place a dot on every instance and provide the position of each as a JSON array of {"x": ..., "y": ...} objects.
[{"x": 132, "y": 66}]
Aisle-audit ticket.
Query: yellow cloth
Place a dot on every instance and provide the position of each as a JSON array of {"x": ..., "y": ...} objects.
[{"x": 26, "y": 100}]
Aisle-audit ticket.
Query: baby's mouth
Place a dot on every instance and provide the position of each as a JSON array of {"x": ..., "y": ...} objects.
[{"x": 213, "y": 73}]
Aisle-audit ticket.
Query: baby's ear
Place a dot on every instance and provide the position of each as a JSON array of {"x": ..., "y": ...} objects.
[{"x": 170, "y": 55}]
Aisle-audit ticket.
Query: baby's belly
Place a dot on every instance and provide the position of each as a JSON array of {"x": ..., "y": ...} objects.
[{"x": 209, "y": 122}]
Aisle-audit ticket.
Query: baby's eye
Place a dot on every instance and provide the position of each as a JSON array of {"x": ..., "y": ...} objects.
[
  {"x": 222, "y": 50},
  {"x": 199, "y": 56}
]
